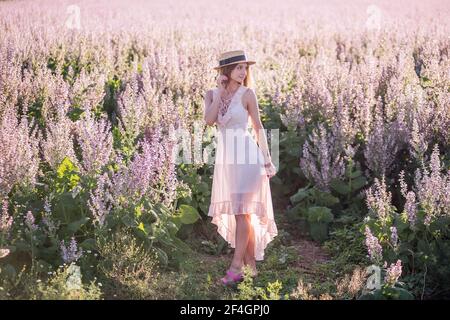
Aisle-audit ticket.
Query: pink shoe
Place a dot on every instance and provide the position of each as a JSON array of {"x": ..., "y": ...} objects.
[{"x": 232, "y": 278}]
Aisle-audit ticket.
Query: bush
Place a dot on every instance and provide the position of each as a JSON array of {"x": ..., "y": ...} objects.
[
  {"x": 418, "y": 235},
  {"x": 128, "y": 268}
]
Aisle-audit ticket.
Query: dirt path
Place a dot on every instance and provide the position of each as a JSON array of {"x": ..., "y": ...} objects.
[{"x": 307, "y": 259}]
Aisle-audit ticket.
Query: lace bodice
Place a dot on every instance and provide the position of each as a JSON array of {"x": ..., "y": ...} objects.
[{"x": 236, "y": 115}]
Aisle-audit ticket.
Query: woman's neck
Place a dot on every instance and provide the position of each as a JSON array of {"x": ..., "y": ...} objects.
[{"x": 233, "y": 86}]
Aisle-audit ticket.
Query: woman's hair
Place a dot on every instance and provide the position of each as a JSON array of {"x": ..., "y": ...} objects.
[{"x": 248, "y": 80}]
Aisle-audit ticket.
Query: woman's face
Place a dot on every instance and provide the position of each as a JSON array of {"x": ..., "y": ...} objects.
[{"x": 239, "y": 72}]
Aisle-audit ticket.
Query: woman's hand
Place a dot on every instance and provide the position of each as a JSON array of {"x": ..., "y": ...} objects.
[
  {"x": 271, "y": 170},
  {"x": 221, "y": 83}
]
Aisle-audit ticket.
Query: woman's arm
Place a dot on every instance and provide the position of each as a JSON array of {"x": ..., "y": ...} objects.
[
  {"x": 211, "y": 110},
  {"x": 260, "y": 134}
]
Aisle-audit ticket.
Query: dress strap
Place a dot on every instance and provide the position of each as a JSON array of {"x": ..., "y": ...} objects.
[{"x": 240, "y": 93}]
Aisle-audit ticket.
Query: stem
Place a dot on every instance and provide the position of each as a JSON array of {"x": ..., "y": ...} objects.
[
  {"x": 424, "y": 280},
  {"x": 350, "y": 169},
  {"x": 32, "y": 251}
]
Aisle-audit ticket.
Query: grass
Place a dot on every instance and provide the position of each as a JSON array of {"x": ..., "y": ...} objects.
[
  {"x": 294, "y": 267},
  {"x": 292, "y": 261}
]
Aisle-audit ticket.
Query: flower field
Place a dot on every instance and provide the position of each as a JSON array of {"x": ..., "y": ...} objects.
[{"x": 105, "y": 158}]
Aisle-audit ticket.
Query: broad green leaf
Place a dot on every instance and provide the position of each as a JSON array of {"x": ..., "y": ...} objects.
[
  {"x": 355, "y": 174},
  {"x": 67, "y": 175},
  {"x": 358, "y": 183},
  {"x": 320, "y": 214},
  {"x": 188, "y": 214},
  {"x": 375, "y": 295},
  {"x": 299, "y": 196},
  {"x": 325, "y": 199},
  {"x": 340, "y": 187},
  {"x": 65, "y": 166}
]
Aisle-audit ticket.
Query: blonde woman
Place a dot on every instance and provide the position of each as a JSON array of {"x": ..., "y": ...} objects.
[{"x": 241, "y": 201}]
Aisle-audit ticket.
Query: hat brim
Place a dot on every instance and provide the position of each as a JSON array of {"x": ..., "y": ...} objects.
[{"x": 236, "y": 62}]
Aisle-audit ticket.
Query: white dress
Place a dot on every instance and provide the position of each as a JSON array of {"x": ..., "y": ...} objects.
[{"x": 240, "y": 182}]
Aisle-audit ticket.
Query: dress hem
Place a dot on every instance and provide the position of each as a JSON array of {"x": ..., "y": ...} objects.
[{"x": 267, "y": 226}]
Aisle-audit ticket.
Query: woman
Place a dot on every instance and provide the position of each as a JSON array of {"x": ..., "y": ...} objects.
[{"x": 241, "y": 201}]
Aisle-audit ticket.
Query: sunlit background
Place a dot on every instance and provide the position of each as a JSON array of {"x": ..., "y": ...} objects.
[{"x": 91, "y": 91}]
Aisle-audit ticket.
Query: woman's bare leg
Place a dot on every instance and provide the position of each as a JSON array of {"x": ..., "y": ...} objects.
[
  {"x": 242, "y": 229},
  {"x": 249, "y": 257}
]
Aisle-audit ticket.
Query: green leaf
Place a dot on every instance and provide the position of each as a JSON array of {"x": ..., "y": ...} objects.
[
  {"x": 426, "y": 82},
  {"x": 203, "y": 187},
  {"x": 177, "y": 221},
  {"x": 375, "y": 295},
  {"x": 188, "y": 214},
  {"x": 163, "y": 210},
  {"x": 172, "y": 228},
  {"x": 129, "y": 221},
  {"x": 298, "y": 210},
  {"x": 43, "y": 266},
  {"x": 397, "y": 293},
  {"x": 181, "y": 245},
  {"x": 423, "y": 246},
  {"x": 76, "y": 225},
  {"x": 138, "y": 211},
  {"x": 75, "y": 113},
  {"x": 318, "y": 231},
  {"x": 49, "y": 251},
  {"x": 66, "y": 176},
  {"x": 88, "y": 244},
  {"x": 358, "y": 183},
  {"x": 403, "y": 294},
  {"x": 164, "y": 237},
  {"x": 355, "y": 174},
  {"x": 142, "y": 228},
  {"x": 162, "y": 256},
  {"x": 320, "y": 214},
  {"x": 204, "y": 207},
  {"x": 295, "y": 152},
  {"x": 66, "y": 207},
  {"x": 325, "y": 199},
  {"x": 301, "y": 194},
  {"x": 153, "y": 215},
  {"x": 340, "y": 187}
]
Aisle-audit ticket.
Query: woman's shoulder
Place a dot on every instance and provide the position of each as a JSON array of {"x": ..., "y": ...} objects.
[{"x": 248, "y": 92}]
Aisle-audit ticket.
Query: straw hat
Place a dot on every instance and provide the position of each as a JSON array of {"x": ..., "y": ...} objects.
[{"x": 232, "y": 57}]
